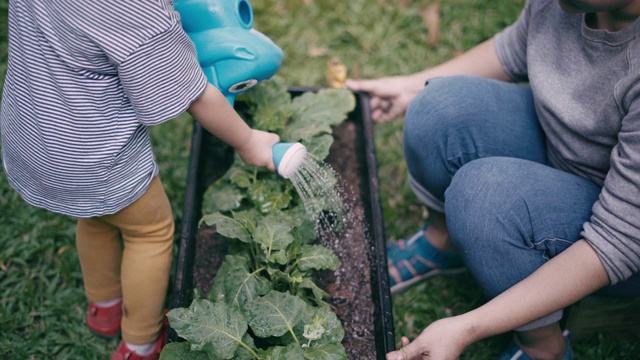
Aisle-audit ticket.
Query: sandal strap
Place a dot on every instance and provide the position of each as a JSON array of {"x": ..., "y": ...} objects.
[{"x": 416, "y": 256}]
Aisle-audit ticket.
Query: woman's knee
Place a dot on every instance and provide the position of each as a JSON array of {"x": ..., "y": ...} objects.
[
  {"x": 449, "y": 110},
  {"x": 433, "y": 108},
  {"x": 522, "y": 202},
  {"x": 432, "y": 119},
  {"x": 481, "y": 201}
]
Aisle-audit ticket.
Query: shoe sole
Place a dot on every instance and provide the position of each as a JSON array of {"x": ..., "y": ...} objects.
[{"x": 402, "y": 286}]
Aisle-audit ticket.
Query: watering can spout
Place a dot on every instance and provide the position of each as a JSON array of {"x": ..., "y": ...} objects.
[
  {"x": 233, "y": 55},
  {"x": 288, "y": 158}
]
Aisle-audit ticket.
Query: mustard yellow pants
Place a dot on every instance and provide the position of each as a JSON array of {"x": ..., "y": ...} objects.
[{"x": 128, "y": 255}]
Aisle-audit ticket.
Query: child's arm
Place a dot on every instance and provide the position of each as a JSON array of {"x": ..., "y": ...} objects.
[
  {"x": 214, "y": 112},
  {"x": 563, "y": 280}
]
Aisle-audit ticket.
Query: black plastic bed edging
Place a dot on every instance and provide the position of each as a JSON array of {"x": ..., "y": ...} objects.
[{"x": 210, "y": 159}]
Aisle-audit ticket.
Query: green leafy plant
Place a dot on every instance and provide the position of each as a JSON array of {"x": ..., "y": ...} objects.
[{"x": 265, "y": 303}]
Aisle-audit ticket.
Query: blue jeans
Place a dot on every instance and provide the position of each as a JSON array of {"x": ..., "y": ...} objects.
[{"x": 477, "y": 144}]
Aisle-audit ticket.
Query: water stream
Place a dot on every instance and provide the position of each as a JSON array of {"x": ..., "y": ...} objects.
[{"x": 318, "y": 187}]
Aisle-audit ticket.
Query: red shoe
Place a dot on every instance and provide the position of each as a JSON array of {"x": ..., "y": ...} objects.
[
  {"x": 124, "y": 353},
  {"x": 104, "y": 321}
]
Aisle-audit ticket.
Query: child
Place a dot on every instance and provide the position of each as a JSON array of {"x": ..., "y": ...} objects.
[
  {"x": 534, "y": 188},
  {"x": 84, "y": 80}
]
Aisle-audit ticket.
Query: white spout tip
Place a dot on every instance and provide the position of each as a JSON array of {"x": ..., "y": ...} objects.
[{"x": 292, "y": 160}]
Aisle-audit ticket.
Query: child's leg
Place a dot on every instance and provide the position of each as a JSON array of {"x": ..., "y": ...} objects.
[
  {"x": 147, "y": 229},
  {"x": 100, "y": 254}
]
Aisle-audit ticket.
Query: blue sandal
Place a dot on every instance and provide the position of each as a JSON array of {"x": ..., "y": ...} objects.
[
  {"x": 414, "y": 259},
  {"x": 513, "y": 351}
]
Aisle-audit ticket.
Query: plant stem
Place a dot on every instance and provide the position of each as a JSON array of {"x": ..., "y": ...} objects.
[
  {"x": 290, "y": 268},
  {"x": 250, "y": 350},
  {"x": 254, "y": 254},
  {"x": 294, "y": 336}
]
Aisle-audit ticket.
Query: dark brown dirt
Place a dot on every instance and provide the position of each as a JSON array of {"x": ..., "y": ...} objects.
[
  {"x": 210, "y": 251},
  {"x": 349, "y": 285}
]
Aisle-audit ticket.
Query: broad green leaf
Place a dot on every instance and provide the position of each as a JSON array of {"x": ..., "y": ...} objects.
[
  {"x": 242, "y": 286},
  {"x": 227, "y": 226},
  {"x": 181, "y": 351},
  {"x": 247, "y": 218},
  {"x": 274, "y": 202},
  {"x": 230, "y": 263},
  {"x": 334, "y": 331},
  {"x": 217, "y": 293},
  {"x": 317, "y": 292},
  {"x": 239, "y": 165},
  {"x": 317, "y": 112},
  {"x": 319, "y": 146},
  {"x": 272, "y": 91},
  {"x": 279, "y": 257},
  {"x": 338, "y": 101},
  {"x": 306, "y": 231},
  {"x": 272, "y": 119},
  {"x": 306, "y": 129},
  {"x": 240, "y": 177},
  {"x": 243, "y": 353},
  {"x": 275, "y": 314},
  {"x": 291, "y": 351},
  {"x": 293, "y": 218},
  {"x": 260, "y": 189},
  {"x": 317, "y": 257},
  {"x": 325, "y": 352},
  {"x": 273, "y": 235},
  {"x": 281, "y": 281},
  {"x": 221, "y": 197},
  {"x": 315, "y": 330},
  {"x": 270, "y": 103},
  {"x": 215, "y": 328}
]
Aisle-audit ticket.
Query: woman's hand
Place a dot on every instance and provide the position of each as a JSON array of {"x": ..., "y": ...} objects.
[
  {"x": 442, "y": 340},
  {"x": 257, "y": 149},
  {"x": 390, "y": 96}
]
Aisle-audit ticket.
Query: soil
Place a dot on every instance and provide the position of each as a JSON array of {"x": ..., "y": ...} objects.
[{"x": 350, "y": 284}]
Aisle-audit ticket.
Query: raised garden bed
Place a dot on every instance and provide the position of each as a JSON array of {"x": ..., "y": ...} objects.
[{"x": 359, "y": 287}]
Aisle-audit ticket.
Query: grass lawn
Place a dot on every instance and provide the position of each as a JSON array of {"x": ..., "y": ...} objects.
[{"x": 42, "y": 302}]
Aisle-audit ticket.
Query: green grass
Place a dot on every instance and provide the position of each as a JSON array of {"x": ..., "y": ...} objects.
[{"x": 42, "y": 302}]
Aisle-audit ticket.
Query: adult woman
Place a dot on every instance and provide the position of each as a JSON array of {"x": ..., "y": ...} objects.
[{"x": 534, "y": 187}]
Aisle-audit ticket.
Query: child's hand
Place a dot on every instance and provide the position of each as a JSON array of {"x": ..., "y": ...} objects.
[{"x": 257, "y": 150}]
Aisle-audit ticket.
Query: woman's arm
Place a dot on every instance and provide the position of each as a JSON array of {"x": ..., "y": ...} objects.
[
  {"x": 481, "y": 60},
  {"x": 563, "y": 280}
]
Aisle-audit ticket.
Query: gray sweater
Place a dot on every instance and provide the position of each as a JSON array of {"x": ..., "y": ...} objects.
[{"x": 586, "y": 84}]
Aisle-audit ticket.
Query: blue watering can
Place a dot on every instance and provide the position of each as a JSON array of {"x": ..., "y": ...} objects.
[
  {"x": 232, "y": 54},
  {"x": 235, "y": 57}
]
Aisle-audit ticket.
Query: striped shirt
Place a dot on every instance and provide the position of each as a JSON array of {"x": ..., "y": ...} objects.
[{"x": 84, "y": 80}]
